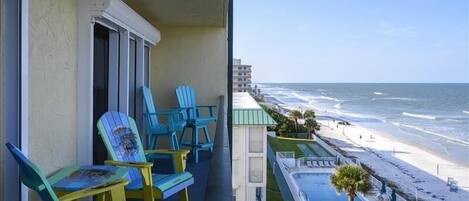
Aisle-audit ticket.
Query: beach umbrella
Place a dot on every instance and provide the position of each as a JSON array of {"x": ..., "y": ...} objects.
[
  {"x": 393, "y": 195},
  {"x": 383, "y": 188}
]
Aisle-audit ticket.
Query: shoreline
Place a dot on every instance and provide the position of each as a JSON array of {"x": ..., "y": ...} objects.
[
  {"x": 322, "y": 113},
  {"x": 410, "y": 168},
  {"x": 413, "y": 169}
]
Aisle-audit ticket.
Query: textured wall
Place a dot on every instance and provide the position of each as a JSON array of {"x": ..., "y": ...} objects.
[
  {"x": 52, "y": 83},
  {"x": 195, "y": 56}
]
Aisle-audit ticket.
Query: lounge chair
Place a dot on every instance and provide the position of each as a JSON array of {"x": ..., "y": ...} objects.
[
  {"x": 32, "y": 177},
  {"x": 186, "y": 99},
  {"x": 321, "y": 164},
  {"x": 120, "y": 135},
  {"x": 315, "y": 164},
  {"x": 155, "y": 129}
]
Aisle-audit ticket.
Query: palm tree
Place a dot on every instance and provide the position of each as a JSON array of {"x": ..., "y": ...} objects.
[
  {"x": 311, "y": 125},
  {"x": 309, "y": 114},
  {"x": 295, "y": 115},
  {"x": 351, "y": 179}
]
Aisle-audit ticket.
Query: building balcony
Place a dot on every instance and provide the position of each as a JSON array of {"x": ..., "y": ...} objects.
[{"x": 87, "y": 57}]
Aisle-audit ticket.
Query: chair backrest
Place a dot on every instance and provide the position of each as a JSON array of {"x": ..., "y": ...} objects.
[
  {"x": 122, "y": 140},
  {"x": 31, "y": 175},
  {"x": 186, "y": 99},
  {"x": 150, "y": 106}
]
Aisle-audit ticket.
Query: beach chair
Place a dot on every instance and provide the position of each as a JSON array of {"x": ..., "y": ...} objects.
[
  {"x": 454, "y": 187},
  {"x": 315, "y": 164},
  {"x": 120, "y": 136},
  {"x": 154, "y": 128},
  {"x": 32, "y": 177},
  {"x": 186, "y": 99},
  {"x": 321, "y": 163},
  {"x": 308, "y": 163}
]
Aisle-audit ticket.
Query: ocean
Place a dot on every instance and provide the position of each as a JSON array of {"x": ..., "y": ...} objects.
[{"x": 434, "y": 117}]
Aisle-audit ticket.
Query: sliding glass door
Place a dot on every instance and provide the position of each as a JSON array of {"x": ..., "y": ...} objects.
[
  {"x": 13, "y": 94},
  {"x": 100, "y": 87}
]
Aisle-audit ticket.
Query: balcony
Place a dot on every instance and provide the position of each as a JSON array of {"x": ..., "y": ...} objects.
[{"x": 87, "y": 57}]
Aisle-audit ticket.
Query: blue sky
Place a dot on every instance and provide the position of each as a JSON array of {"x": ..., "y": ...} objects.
[{"x": 353, "y": 40}]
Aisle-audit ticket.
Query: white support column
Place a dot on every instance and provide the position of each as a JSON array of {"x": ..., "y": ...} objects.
[
  {"x": 124, "y": 72},
  {"x": 85, "y": 86}
]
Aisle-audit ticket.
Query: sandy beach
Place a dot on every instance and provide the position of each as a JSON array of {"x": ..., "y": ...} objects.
[{"x": 415, "y": 171}]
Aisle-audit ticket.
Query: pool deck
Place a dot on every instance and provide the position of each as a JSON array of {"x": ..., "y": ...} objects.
[{"x": 287, "y": 173}]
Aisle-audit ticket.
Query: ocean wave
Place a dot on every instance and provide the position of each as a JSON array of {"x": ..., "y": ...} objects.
[
  {"x": 338, "y": 105},
  {"x": 378, "y": 93},
  {"x": 321, "y": 90},
  {"x": 420, "y": 116},
  {"x": 465, "y": 112},
  {"x": 311, "y": 98},
  {"x": 327, "y": 98},
  {"x": 356, "y": 117},
  {"x": 396, "y": 98},
  {"x": 450, "y": 139}
]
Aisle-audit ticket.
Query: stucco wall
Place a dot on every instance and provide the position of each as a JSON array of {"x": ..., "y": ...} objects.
[
  {"x": 189, "y": 55},
  {"x": 52, "y": 83}
]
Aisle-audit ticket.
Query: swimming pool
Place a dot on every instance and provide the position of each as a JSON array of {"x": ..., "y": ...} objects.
[{"x": 317, "y": 187}]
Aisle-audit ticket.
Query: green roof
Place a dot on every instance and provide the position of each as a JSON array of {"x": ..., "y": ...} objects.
[
  {"x": 252, "y": 117},
  {"x": 246, "y": 111}
]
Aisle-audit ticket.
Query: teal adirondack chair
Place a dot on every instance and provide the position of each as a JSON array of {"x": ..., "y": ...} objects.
[
  {"x": 120, "y": 136},
  {"x": 154, "y": 128},
  {"x": 32, "y": 177},
  {"x": 186, "y": 98}
]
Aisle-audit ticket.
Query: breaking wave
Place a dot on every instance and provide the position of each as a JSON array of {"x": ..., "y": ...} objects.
[
  {"x": 378, "y": 93},
  {"x": 455, "y": 140},
  {"x": 420, "y": 116},
  {"x": 396, "y": 98},
  {"x": 465, "y": 112}
]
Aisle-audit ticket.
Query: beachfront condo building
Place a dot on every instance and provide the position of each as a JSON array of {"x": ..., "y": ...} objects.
[
  {"x": 241, "y": 77},
  {"x": 65, "y": 63},
  {"x": 249, "y": 165}
]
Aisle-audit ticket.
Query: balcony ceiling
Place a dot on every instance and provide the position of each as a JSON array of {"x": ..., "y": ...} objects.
[{"x": 182, "y": 12}]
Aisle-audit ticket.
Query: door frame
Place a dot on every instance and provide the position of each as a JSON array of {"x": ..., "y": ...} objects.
[
  {"x": 118, "y": 16},
  {"x": 19, "y": 86}
]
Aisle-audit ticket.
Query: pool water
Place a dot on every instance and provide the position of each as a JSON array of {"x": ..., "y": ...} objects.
[{"x": 317, "y": 187}]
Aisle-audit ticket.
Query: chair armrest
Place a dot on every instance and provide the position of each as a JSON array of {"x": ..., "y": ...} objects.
[
  {"x": 209, "y": 107},
  {"x": 172, "y": 115},
  {"x": 94, "y": 190},
  {"x": 144, "y": 169},
  {"x": 168, "y": 151},
  {"x": 206, "y": 106},
  {"x": 179, "y": 157},
  {"x": 129, "y": 164}
]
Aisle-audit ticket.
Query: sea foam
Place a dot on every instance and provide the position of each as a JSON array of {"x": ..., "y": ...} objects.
[
  {"x": 420, "y": 116},
  {"x": 459, "y": 141},
  {"x": 378, "y": 93}
]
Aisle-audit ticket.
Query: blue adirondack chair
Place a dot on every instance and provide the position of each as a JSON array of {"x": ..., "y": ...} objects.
[
  {"x": 32, "y": 177},
  {"x": 154, "y": 128},
  {"x": 186, "y": 98},
  {"x": 120, "y": 136}
]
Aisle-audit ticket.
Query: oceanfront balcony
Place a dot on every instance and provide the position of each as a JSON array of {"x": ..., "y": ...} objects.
[{"x": 89, "y": 57}]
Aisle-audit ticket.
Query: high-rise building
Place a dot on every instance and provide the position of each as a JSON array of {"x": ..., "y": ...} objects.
[{"x": 241, "y": 77}]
